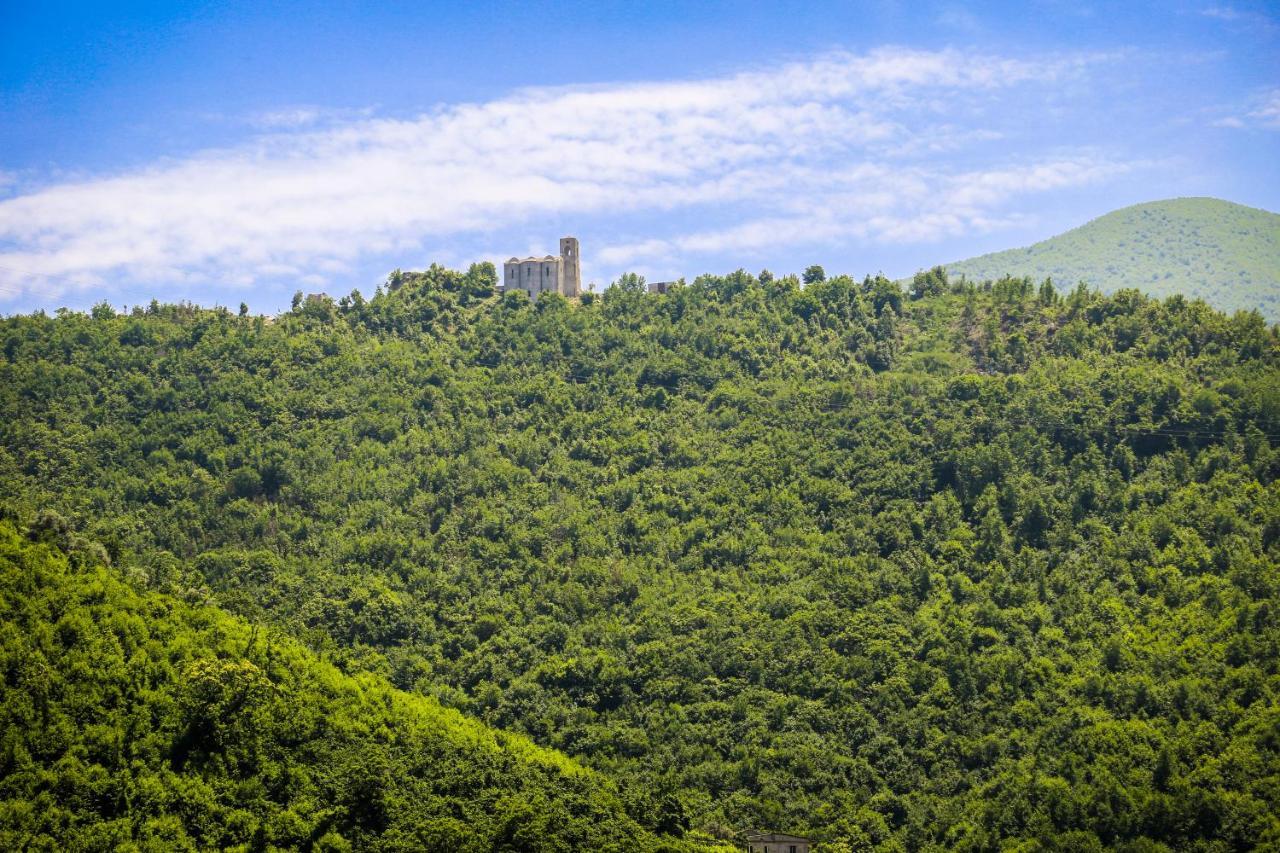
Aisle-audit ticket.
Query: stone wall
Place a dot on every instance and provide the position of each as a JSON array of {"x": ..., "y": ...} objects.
[
  {"x": 548, "y": 274},
  {"x": 572, "y": 282}
]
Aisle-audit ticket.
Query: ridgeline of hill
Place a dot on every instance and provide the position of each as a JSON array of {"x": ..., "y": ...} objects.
[
  {"x": 1203, "y": 248},
  {"x": 982, "y": 567}
]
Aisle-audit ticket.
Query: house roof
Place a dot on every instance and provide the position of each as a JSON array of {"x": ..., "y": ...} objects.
[{"x": 777, "y": 837}]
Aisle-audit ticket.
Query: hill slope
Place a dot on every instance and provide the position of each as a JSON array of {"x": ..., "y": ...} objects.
[
  {"x": 133, "y": 718},
  {"x": 989, "y": 568},
  {"x": 1224, "y": 253}
]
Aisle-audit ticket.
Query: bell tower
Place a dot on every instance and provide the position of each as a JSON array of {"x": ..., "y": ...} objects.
[{"x": 570, "y": 266}]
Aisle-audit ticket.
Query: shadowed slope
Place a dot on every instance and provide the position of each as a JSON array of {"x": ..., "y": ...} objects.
[{"x": 133, "y": 718}]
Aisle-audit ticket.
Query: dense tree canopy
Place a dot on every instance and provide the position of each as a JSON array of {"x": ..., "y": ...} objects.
[
  {"x": 133, "y": 718},
  {"x": 959, "y": 567}
]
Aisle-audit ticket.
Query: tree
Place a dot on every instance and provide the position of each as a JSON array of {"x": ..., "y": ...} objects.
[
  {"x": 883, "y": 292},
  {"x": 886, "y": 340},
  {"x": 629, "y": 282},
  {"x": 902, "y": 570},
  {"x": 1049, "y": 293},
  {"x": 931, "y": 283},
  {"x": 481, "y": 279},
  {"x": 814, "y": 274}
]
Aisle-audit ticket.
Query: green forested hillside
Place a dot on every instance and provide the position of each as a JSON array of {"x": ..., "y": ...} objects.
[
  {"x": 964, "y": 568},
  {"x": 1226, "y": 254},
  {"x": 135, "y": 718}
]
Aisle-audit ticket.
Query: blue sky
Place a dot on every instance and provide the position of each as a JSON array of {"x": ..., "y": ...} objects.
[{"x": 228, "y": 152}]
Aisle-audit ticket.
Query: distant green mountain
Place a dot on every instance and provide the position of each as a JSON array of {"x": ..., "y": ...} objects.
[{"x": 1224, "y": 253}]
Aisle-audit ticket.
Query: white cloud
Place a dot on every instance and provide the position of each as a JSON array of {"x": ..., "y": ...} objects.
[
  {"x": 293, "y": 117},
  {"x": 899, "y": 206},
  {"x": 305, "y": 116},
  {"x": 1222, "y": 13},
  {"x": 830, "y": 148},
  {"x": 1240, "y": 18},
  {"x": 958, "y": 18},
  {"x": 1262, "y": 112},
  {"x": 1267, "y": 111}
]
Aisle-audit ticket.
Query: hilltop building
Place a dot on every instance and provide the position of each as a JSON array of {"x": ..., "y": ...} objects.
[
  {"x": 777, "y": 842},
  {"x": 661, "y": 286},
  {"x": 547, "y": 274}
]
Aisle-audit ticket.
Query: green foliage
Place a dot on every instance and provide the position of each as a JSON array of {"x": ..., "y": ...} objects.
[
  {"x": 629, "y": 283},
  {"x": 1203, "y": 248},
  {"x": 134, "y": 720},
  {"x": 931, "y": 283},
  {"x": 984, "y": 568}
]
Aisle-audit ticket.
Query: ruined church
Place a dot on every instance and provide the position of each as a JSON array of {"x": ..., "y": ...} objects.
[{"x": 547, "y": 274}]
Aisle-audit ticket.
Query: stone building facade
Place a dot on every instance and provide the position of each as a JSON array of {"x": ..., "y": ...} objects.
[
  {"x": 548, "y": 274},
  {"x": 777, "y": 842}
]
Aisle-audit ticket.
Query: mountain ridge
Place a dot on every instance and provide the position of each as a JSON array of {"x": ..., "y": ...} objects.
[
  {"x": 1225, "y": 253},
  {"x": 887, "y": 570}
]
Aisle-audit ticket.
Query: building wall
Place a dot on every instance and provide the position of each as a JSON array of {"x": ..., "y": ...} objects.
[
  {"x": 571, "y": 266},
  {"x": 549, "y": 274},
  {"x": 546, "y": 276},
  {"x": 778, "y": 843},
  {"x": 533, "y": 275}
]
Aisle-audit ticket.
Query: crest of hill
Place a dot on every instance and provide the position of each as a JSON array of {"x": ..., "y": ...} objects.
[{"x": 1224, "y": 253}]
